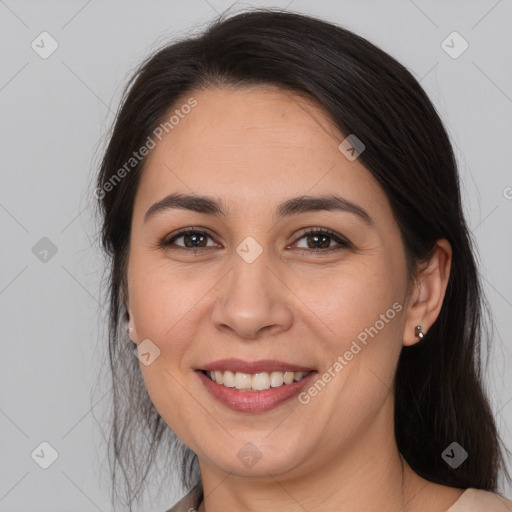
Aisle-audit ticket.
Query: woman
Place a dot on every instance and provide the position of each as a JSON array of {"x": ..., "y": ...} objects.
[{"x": 281, "y": 206}]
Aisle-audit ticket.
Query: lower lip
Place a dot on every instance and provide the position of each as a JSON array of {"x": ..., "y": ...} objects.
[{"x": 254, "y": 401}]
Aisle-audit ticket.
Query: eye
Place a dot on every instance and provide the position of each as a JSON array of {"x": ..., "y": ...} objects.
[
  {"x": 192, "y": 239},
  {"x": 317, "y": 241}
]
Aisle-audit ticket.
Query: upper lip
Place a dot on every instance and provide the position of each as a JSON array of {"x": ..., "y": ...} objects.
[{"x": 262, "y": 365}]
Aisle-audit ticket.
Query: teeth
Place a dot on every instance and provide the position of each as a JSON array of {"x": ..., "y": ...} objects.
[
  {"x": 242, "y": 380},
  {"x": 254, "y": 382},
  {"x": 276, "y": 379},
  {"x": 228, "y": 379}
]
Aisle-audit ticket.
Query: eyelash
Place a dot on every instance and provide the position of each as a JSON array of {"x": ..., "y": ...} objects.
[{"x": 343, "y": 243}]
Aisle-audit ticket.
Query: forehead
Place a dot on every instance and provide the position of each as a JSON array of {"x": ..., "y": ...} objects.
[{"x": 255, "y": 143}]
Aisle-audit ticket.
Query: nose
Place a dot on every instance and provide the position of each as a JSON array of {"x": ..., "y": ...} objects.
[{"x": 254, "y": 301}]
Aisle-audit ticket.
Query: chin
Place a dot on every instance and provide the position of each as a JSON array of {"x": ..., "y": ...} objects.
[{"x": 250, "y": 459}]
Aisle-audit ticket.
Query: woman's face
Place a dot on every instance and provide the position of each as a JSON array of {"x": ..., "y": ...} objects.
[{"x": 260, "y": 283}]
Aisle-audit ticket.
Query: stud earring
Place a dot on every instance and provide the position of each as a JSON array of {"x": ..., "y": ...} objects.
[{"x": 419, "y": 332}]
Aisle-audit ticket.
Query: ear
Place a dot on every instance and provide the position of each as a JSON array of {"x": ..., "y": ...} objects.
[
  {"x": 128, "y": 316},
  {"x": 429, "y": 290}
]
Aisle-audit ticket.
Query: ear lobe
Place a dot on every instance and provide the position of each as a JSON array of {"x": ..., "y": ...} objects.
[
  {"x": 427, "y": 298},
  {"x": 132, "y": 333},
  {"x": 128, "y": 317}
]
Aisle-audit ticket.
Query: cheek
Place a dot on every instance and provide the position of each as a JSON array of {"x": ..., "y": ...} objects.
[
  {"x": 362, "y": 308},
  {"x": 165, "y": 301},
  {"x": 161, "y": 298},
  {"x": 361, "y": 349},
  {"x": 354, "y": 296}
]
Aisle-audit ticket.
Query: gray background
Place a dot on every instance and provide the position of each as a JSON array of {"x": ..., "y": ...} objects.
[{"x": 55, "y": 113}]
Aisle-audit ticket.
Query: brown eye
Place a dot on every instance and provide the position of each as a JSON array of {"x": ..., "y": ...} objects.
[
  {"x": 319, "y": 240},
  {"x": 191, "y": 239}
]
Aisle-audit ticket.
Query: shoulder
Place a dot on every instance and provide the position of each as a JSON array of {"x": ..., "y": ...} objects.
[
  {"x": 477, "y": 500},
  {"x": 191, "y": 501}
]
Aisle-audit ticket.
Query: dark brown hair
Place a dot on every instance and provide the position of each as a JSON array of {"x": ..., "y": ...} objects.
[{"x": 438, "y": 386}]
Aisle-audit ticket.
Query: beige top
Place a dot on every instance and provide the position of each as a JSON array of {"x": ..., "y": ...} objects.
[
  {"x": 471, "y": 500},
  {"x": 476, "y": 500}
]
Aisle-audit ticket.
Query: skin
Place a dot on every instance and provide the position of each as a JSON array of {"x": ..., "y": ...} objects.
[{"x": 254, "y": 148}]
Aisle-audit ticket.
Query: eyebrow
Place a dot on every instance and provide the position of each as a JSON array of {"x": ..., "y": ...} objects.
[{"x": 296, "y": 205}]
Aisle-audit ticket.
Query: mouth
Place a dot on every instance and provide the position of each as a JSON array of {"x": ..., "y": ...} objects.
[
  {"x": 253, "y": 393},
  {"x": 255, "y": 382}
]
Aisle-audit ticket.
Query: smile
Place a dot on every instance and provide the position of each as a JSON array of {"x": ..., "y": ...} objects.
[
  {"x": 247, "y": 397},
  {"x": 261, "y": 381}
]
